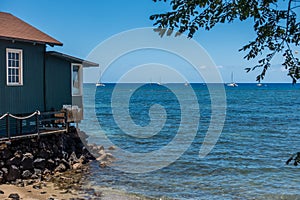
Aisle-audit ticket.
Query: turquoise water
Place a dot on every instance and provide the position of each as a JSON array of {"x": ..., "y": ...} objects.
[{"x": 261, "y": 131}]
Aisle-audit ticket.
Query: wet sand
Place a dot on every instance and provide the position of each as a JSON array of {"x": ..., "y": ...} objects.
[
  {"x": 50, "y": 191},
  {"x": 29, "y": 193}
]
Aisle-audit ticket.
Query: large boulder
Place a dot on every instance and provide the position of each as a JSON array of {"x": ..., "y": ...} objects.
[
  {"x": 45, "y": 153},
  {"x": 13, "y": 173},
  {"x": 66, "y": 163},
  {"x": 73, "y": 158},
  {"x": 14, "y": 161},
  {"x": 77, "y": 166},
  {"x": 27, "y": 162},
  {"x": 26, "y": 174},
  {"x": 39, "y": 163},
  {"x": 50, "y": 164},
  {"x": 60, "y": 168},
  {"x": 5, "y": 172},
  {"x": 18, "y": 154},
  {"x": 83, "y": 159}
]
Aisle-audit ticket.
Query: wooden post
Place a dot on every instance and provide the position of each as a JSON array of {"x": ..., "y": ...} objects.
[
  {"x": 66, "y": 120},
  {"x": 21, "y": 126},
  {"x": 17, "y": 128},
  {"x": 7, "y": 126},
  {"x": 37, "y": 125}
]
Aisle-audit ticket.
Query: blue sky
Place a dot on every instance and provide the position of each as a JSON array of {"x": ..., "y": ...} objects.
[{"x": 82, "y": 25}]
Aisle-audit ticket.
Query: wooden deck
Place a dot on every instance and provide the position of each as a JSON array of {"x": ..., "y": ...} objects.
[{"x": 13, "y": 127}]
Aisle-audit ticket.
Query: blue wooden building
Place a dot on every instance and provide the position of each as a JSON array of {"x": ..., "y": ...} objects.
[{"x": 32, "y": 79}]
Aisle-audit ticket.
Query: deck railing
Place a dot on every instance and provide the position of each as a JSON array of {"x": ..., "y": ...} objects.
[{"x": 37, "y": 123}]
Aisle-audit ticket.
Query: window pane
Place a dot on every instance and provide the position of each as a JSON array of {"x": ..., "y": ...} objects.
[
  {"x": 14, "y": 66},
  {"x": 76, "y": 81}
]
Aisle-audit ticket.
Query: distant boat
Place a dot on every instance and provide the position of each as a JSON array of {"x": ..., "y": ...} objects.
[
  {"x": 186, "y": 84},
  {"x": 232, "y": 84},
  {"x": 99, "y": 83},
  {"x": 159, "y": 83},
  {"x": 259, "y": 84}
]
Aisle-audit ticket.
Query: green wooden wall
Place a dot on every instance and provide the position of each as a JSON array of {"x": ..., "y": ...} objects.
[
  {"x": 29, "y": 97},
  {"x": 58, "y": 83}
]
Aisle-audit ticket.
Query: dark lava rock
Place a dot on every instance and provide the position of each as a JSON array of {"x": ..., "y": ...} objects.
[
  {"x": 18, "y": 154},
  {"x": 50, "y": 164},
  {"x": 6, "y": 153},
  {"x": 60, "y": 168},
  {"x": 13, "y": 173},
  {"x": 5, "y": 172},
  {"x": 2, "y": 164},
  {"x": 38, "y": 172},
  {"x": 66, "y": 163},
  {"x": 14, "y": 196},
  {"x": 37, "y": 187},
  {"x": 39, "y": 163},
  {"x": 14, "y": 161},
  {"x": 39, "y": 158},
  {"x": 26, "y": 174},
  {"x": 34, "y": 176},
  {"x": 73, "y": 158},
  {"x": 44, "y": 154},
  {"x": 1, "y": 176},
  {"x": 27, "y": 161}
]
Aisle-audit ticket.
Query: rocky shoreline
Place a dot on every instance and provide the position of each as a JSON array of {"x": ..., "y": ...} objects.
[
  {"x": 60, "y": 159},
  {"x": 54, "y": 167}
]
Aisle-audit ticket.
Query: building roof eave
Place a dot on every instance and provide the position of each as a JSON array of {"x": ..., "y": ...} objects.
[
  {"x": 52, "y": 44},
  {"x": 73, "y": 59}
]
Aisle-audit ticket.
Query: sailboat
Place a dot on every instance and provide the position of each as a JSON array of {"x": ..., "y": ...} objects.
[
  {"x": 258, "y": 84},
  {"x": 186, "y": 84},
  {"x": 99, "y": 83},
  {"x": 232, "y": 84},
  {"x": 159, "y": 82}
]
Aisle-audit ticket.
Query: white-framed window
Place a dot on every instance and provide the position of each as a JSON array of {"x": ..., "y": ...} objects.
[
  {"x": 76, "y": 79},
  {"x": 14, "y": 67}
]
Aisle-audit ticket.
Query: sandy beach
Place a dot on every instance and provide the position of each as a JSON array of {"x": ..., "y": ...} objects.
[
  {"x": 30, "y": 193},
  {"x": 49, "y": 191}
]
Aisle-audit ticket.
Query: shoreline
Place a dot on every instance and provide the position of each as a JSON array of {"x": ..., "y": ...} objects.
[
  {"x": 54, "y": 167},
  {"x": 50, "y": 191}
]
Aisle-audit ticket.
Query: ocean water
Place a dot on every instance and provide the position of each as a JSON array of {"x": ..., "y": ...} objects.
[{"x": 260, "y": 133}]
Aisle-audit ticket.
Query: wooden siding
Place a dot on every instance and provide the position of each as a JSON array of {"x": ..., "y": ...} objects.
[
  {"x": 58, "y": 83},
  {"x": 30, "y": 96}
]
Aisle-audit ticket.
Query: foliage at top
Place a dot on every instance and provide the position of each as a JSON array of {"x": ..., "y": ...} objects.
[{"x": 275, "y": 23}]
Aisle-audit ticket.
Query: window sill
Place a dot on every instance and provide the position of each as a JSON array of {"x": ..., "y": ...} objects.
[{"x": 14, "y": 85}]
